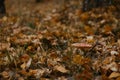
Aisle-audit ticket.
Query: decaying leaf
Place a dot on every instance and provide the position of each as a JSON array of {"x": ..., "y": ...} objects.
[
  {"x": 5, "y": 74},
  {"x": 114, "y": 75},
  {"x": 89, "y": 30},
  {"x": 81, "y": 45},
  {"x": 78, "y": 59},
  {"x": 51, "y": 41},
  {"x": 90, "y": 39},
  {"x": 84, "y": 16},
  {"x": 108, "y": 60},
  {"x": 23, "y": 66},
  {"x": 24, "y": 57},
  {"x": 107, "y": 28},
  {"x": 114, "y": 53},
  {"x": 118, "y": 78},
  {"x": 29, "y": 63},
  {"x": 61, "y": 68},
  {"x": 4, "y": 46}
]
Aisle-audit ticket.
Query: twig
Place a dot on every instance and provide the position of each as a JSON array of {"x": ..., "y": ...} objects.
[{"x": 91, "y": 49}]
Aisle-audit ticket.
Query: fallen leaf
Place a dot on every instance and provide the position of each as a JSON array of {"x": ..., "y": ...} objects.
[
  {"x": 89, "y": 30},
  {"x": 118, "y": 41},
  {"x": 84, "y": 16},
  {"x": 108, "y": 60},
  {"x": 32, "y": 72},
  {"x": 5, "y": 74},
  {"x": 107, "y": 28},
  {"x": 60, "y": 68},
  {"x": 4, "y": 46},
  {"x": 24, "y": 57},
  {"x": 5, "y": 18},
  {"x": 114, "y": 75},
  {"x": 113, "y": 66},
  {"x": 23, "y": 66},
  {"x": 78, "y": 59},
  {"x": 114, "y": 53},
  {"x": 28, "y": 63},
  {"x": 118, "y": 78},
  {"x": 90, "y": 39},
  {"x": 20, "y": 78},
  {"x": 81, "y": 45}
]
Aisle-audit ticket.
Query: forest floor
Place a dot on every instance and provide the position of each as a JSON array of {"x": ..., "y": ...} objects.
[{"x": 53, "y": 40}]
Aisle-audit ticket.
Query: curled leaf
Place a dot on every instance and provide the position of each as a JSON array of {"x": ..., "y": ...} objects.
[
  {"x": 61, "y": 68},
  {"x": 114, "y": 75},
  {"x": 81, "y": 45}
]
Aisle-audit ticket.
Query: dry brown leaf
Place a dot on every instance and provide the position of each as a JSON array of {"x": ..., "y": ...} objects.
[
  {"x": 24, "y": 58},
  {"x": 16, "y": 31},
  {"x": 114, "y": 75},
  {"x": 118, "y": 41},
  {"x": 20, "y": 78},
  {"x": 107, "y": 28},
  {"x": 108, "y": 60},
  {"x": 113, "y": 66},
  {"x": 118, "y": 78},
  {"x": 5, "y": 74},
  {"x": 78, "y": 59},
  {"x": 29, "y": 48},
  {"x": 84, "y": 16},
  {"x": 5, "y": 18},
  {"x": 81, "y": 45},
  {"x": 32, "y": 72},
  {"x": 114, "y": 53},
  {"x": 4, "y": 46},
  {"x": 29, "y": 63},
  {"x": 23, "y": 72},
  {"x": 90, "y": 39},
  {"x": 78, "y": 12},
  {"x": 23, "y": 66},
  {"x": 89, "y": 30},
  {"x": 60, "y": 68}
]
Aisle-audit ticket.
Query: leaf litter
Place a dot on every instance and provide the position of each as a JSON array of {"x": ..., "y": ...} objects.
[{"x": 59, "y": 42}]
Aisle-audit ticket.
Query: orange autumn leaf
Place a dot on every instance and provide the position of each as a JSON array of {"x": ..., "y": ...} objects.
[
  {"x": 29, "y": 48},
  {"x": 77, "y": 59},
  {"x": 84, "y": 16},
  {"x": 23, "y": 72},
  {"x": 107, "y": 28},
  {"x": 32, "y": 72},
  {"x": 89, "y": 30}
]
